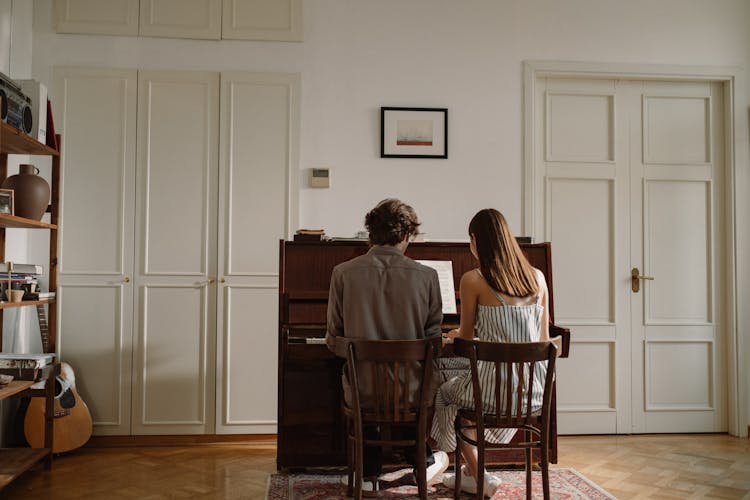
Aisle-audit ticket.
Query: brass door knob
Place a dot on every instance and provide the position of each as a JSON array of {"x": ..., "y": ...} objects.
[{"x": 635, "y": 279}]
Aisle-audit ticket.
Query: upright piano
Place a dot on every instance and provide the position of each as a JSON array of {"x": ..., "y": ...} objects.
[{"x": 310, "y": 424}]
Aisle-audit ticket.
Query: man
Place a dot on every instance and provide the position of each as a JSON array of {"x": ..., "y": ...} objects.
[{"x": 384, "y": 295}]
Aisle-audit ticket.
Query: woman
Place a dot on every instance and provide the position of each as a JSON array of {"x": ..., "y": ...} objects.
[{"x": 504, "y": 300}]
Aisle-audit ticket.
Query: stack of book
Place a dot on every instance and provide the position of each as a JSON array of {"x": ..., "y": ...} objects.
[
  {"x": 38, "y": 295},
  {"x": 309, "y": 235},
  {"x": 21, "y": 277},
  {"x": 26, "y": 366}
]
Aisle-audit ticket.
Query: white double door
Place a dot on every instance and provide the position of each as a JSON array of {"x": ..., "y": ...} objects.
[
  {"x": 629, "y": 178},
  {"x": 176, "y": 189}
]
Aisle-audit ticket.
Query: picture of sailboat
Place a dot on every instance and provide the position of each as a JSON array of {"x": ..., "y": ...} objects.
[{"x": 414, "y": 133}]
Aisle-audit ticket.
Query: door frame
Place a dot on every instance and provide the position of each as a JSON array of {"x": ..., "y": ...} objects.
[{"x": 735, "y": 131}]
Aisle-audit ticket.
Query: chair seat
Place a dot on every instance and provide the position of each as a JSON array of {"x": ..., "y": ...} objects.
[{"x": 468, "y": 412}]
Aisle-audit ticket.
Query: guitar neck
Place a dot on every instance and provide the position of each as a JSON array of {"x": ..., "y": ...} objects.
[{"x": 41, "y": 313}]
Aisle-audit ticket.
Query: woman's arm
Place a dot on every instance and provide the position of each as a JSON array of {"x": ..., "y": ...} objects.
[
  {"x": 469, "y": 294},
  {"x": 544, "y": 332}
]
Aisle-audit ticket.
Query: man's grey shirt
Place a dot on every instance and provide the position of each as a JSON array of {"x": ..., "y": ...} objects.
[{"x": 383, "y": 295}]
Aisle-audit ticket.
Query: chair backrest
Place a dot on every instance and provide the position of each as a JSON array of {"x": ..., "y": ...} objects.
[
  {"x": 391, "y": 377},
  {"x": 517, "y": 368}
]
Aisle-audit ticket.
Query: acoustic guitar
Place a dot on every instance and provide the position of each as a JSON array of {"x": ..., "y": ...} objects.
[{"x": 72, "y": 420}]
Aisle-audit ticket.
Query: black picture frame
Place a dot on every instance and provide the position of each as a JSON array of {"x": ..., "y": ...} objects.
[
  {"x": 413, "y": 132},
  {"x": 7, "y": 205}
]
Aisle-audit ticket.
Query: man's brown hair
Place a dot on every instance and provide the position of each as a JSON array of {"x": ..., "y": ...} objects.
[{"x": 390, "y": 222}]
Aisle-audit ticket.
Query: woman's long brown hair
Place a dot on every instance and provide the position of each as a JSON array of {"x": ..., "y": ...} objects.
[{"x": 503, "y": 264}]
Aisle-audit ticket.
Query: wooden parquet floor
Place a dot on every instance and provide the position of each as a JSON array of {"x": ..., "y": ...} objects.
[{"x": 629, "y": 467}]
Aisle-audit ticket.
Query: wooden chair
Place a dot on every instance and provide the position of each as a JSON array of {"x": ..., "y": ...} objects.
[
  {"x": 513, "y": 363},
  {"x": 394, "y": 404}
]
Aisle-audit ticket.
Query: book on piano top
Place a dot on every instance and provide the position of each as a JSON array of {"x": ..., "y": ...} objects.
[{"x": 309, "y": 235}]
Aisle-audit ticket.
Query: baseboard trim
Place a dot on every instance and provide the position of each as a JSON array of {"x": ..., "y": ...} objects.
[{"x": 179, "y": 440}]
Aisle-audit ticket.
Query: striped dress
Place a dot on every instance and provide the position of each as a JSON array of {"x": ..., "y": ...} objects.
[{"x": 503, "y": 323}]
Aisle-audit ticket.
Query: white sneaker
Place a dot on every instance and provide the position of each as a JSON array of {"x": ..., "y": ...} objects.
[
  {"x": 366, "y": 485},
  {"x": 469, "y": 483},
  {"x": 438, "y": 467}
]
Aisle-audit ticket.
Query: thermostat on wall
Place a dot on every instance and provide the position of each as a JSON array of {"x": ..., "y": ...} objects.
[{"x": 320, "y": 178}]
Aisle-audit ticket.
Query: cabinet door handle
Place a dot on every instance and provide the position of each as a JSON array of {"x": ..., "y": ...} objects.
[
  {"x": 126, "y": 280},
  {"x": 222, "y": 280},
  {"x": 207, "y": 282}
]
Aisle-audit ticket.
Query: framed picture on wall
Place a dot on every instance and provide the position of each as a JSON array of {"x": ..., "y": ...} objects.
[
  {"x": 6, "y": 202},
  {"x": 413, "y": 132}
]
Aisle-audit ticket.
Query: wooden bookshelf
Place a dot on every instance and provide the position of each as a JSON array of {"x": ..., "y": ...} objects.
[
  {"x": 15, "y": 142},
  {"x": 14, "y": 221},
  {"x": 15, "y": 461},
  {"x": 15, "y": 387},
  {"x": 23, "y": 303}
]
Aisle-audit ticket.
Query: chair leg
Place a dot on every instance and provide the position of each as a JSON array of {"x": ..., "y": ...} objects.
[
  {"x": 358, "y": 461},
  {"x": 350, "y": 458},
  {"x": 480, "y": 467},
  {"x": 351, "y": 466},
  {"x": 545, "y": 468},
  {"x": 529, "y": 461},
  {"x": 528, "y": 473},
  {"x": 457, "y": 464},
  {"x": 421, "y": 467}
]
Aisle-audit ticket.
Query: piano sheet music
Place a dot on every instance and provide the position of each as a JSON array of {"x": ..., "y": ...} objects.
[{"x": 444, "y": 270}]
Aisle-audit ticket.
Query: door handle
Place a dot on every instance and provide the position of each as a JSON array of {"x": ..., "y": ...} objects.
[
  {"x": 209, "y": 281},
  {"x": 635, "y": 279}
]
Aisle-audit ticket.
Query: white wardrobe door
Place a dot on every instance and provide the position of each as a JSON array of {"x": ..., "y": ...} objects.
[
  {"x": 102, "y": 17},
  {"x": 95, "y": 112},
  {"x": 181, "y": 18},
  {"x": 175, "y": 253},
  {"x": 279, "y": 20},
  {"x": 259, "y": 143}
]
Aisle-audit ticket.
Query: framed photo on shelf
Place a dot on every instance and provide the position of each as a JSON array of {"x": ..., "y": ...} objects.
[
  {"x": 6, "y": 202},
  {"x": 413, "y": 132}
]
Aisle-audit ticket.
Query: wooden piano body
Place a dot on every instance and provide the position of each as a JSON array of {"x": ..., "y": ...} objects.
[{"x": 310, "y": 426}]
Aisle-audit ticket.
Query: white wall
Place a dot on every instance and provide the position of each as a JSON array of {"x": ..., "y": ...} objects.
[
  {"x": 21, "y": 327},
  {"x": 465, "y": 55}
]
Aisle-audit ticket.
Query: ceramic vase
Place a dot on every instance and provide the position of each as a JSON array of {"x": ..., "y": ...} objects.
[{"x": 30, "y": 192}]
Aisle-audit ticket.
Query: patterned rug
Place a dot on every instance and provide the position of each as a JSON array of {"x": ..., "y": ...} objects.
[{"x": 564, "y": 484}]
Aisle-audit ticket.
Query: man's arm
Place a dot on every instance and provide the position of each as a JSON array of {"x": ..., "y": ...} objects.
[
  {"x": 335, "y": 318},
  {"x": 435, "y": 311}
]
